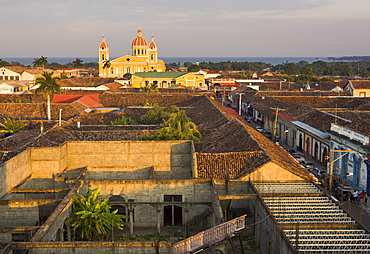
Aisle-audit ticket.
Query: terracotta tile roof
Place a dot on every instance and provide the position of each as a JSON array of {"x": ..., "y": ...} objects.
[
  {"x": 313, "y": 101},
  {"x": 227, "y": 165},
  {"x": 17, "y": 69},
  {"x": 38, "y": 111},
  {"x": 360, "y": 84},
  {"x": 84, "y": 81}
]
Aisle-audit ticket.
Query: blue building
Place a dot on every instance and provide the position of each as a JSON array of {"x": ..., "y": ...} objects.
[{"x": 355, "y": 162}]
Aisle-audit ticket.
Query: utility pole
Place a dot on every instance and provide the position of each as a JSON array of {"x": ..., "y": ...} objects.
[
  {"x": 276, "y": 120},
  {"x": 240, "y": 103},
  {"x": 331, "y": 166}
]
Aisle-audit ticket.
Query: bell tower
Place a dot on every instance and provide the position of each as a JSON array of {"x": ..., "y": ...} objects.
[{"x": 103, "y": 51}]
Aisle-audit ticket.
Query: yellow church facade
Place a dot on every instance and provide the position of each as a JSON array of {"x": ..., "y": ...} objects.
[
  {"x": 143, "y": 58},
  {"x": 168, "y": 80}
]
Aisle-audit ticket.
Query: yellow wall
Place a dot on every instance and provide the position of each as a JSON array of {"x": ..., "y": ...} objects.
[
  {"x": 188, "y": 80},
  {"x": 361, "y": 92},
  {"x": 271, "y": 172}
]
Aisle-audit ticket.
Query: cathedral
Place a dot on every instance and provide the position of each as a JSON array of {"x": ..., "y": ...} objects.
[{"x": 143, "y": 58}]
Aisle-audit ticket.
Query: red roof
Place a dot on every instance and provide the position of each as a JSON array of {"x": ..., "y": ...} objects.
[
  {"x": 90, "y": 101},
  {"x": 284, "y": 116},
  {"x": 232, "y": 112}
]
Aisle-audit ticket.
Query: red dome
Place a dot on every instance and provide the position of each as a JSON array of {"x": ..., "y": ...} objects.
[
  {"x": 103, "y": 45},
  {"x": 139, "y": 40}
]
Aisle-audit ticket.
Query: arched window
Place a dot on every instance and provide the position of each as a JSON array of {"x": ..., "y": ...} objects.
[
  {"x": 142, "y": 51},
  {"x": 152, "y": 57},
  {"x": 128, "y": 69},
  {"x": 103, "y": 57}
]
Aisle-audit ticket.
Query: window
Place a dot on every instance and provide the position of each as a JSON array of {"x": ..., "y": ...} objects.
[
  {"x": 152, "y": 57},
  {"x": 103, "y": 57},
  {"x": 17, "y": 78},
  {"x": 172, "y": 198}
]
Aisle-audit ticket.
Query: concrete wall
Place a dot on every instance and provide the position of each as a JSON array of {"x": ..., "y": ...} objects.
[
  {"x": 170, "y": 159},
  {"x": 46, "y": 161},
  {"x": 153, "y": 191},
  {"x": 14, "y": 172},
  {"x": 18, "y": 216},
  {"x": 271, "y": 172}
]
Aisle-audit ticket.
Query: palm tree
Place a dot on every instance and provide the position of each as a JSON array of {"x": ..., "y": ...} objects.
[
  {"x": 77, "y": 63},
  {"x": 106, "y": 65},
  {"x": 12, "y": 126},
  {"x": 48, "y": 86},
  {"x": 40, "y": 62},
  {"x": 94, "y": 216}
]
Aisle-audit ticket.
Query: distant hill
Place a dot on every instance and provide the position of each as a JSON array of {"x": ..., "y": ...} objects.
[{"x": 350, "y": 58}]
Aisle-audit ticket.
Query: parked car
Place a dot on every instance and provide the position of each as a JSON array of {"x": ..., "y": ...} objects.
[
  {"x": 259, "y": 128},
  {"x": 267, "y": 134},
  {"x": 298, "y": 156},
  {"x": 307, "y": 164}
]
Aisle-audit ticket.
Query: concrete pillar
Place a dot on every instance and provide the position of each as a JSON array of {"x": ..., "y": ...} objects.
[
  {"x": 61, "y": 235},
  {"x": 131, "y": 216},
  {"x": 69, "y": 235},
  {"x": 158, "y": 221}
]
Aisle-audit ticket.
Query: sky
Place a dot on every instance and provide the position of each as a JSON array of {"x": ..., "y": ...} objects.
[{"x": 191, "y": 28}]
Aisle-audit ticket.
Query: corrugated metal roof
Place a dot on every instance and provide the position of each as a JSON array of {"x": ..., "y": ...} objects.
[{"x": 310, "y": 129}]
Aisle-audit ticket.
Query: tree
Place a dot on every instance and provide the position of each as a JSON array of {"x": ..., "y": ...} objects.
[
  {"x": 193, "y": 68},
  {"x": 149, "y": 88},
  {"x": 177, "y": 127},
  {"x": 94, "y": 216},
  {"x": 106, "y": 65},
  {"x": 40, "y": 62},
  {"x": 48, "y": 86},
  {"x": 12, "y": 126},
  {"x": 158, "y": 114},
  {"x": 246, "y": 74},
  {"x": 77, "y": 63}
]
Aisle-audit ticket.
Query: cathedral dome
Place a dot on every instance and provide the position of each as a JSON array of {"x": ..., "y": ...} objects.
[{"x": 139, "y": 40}]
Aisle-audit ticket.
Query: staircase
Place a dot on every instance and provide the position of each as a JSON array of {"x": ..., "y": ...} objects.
[{"x": 311, "y": 221}]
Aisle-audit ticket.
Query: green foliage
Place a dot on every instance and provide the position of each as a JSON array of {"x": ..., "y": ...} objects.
[
  {"x": 48, "y": 86},
  {"x": 12, "y": 126},
  {"x": 77, "y": 63},
  {"x": 326, "y": 79},
  {"x": 121, "y": 121},
  {"x": 246, "y": 74},
  {"x": 158, "y": 114},
  {"x": 176, "y": 127},
  {"x": 146, "y": 238},
  {"x": 149, "y": 88},
  {"x": 94, "y": 216},
  {"x": 148, "y": 104},
  {"x": 40, "y": 62},
  {"x": 193, "y": 68}
]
